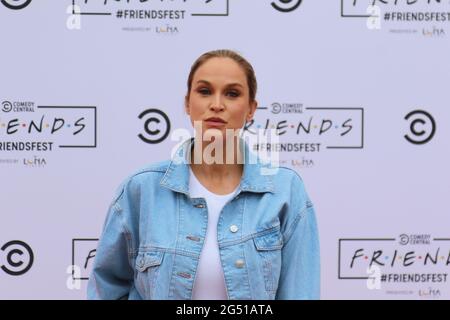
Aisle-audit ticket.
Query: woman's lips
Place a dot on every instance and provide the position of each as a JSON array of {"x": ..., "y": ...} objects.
[{"x": 213, "y": 123}]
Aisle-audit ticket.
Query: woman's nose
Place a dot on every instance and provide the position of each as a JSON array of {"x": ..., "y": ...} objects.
[{"x": 217, "y": 103}]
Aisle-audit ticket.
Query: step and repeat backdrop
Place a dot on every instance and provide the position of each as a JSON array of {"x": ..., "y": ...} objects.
[{"x": 356, "y": 91}]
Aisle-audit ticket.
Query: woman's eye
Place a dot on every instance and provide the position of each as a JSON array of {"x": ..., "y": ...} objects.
[
  {"x": 233, "y": 93},
  {"x": 204, "y": 91}
]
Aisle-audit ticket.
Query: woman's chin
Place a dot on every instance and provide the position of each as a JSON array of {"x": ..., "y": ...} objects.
[{"x": 217, "y": 133}]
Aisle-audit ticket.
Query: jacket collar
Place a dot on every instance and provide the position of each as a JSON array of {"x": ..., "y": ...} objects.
[{"x": 176, "y": 176}]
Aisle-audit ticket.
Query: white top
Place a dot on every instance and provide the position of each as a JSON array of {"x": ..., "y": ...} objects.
[{"x": 209, "y": 281}]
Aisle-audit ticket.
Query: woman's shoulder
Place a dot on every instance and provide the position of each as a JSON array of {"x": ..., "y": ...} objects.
[
  {"x": 289, "y": 182},
  {"x": 150, "y": 171},
  {"x": 145, "y": 176},
  {"x": 155, "y": 167},
  {"x": 283, "y": 175}
]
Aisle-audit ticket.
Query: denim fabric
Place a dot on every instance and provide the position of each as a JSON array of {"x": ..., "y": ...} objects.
[{"x": 154, "y": 232}]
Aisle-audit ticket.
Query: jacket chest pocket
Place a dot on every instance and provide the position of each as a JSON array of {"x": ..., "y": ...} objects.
[
  {"x": 268, "y": 247},
  {"x": 147, "y": 268}
]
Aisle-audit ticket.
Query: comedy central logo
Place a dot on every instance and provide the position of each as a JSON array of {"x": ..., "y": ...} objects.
[
  {"x": 156, "y": 126},
  {"x": 7, "y": 106},
  {"x": 286, "y": 5},
  {"x": 19, "y": 257},
  {"x": 422, "y": 127},
  {"x": 287, "y": 108},
  {"x": 16, "y": 4},
  {"x": 17, "y": 106},
  {"x": 416, "y": 239}
]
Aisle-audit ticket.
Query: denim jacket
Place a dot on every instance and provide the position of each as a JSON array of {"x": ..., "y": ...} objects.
[{"x": 154, "y": 233}]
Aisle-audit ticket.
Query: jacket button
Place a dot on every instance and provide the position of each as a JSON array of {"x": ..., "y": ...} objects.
[
  {"x": 239, "y": 263},
  {"x": 234, "y": 228},
  {"x": 200, "y": 205}
]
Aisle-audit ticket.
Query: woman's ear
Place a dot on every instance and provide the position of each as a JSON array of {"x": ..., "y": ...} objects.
[
  {"x": 186, "y": 105},
  {"x": 253, "y": 106}
]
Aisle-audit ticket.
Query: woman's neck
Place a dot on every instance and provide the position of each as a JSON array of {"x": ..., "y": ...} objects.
[{"x": 216, "y": 163}]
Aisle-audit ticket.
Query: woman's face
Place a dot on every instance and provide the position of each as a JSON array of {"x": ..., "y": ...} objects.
[{"x": 219, "y": 90}]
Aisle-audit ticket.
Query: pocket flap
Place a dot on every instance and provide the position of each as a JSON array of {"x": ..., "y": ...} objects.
[
  {"x": 269, "y": 241},
  {"x": 144, "y": 260}
]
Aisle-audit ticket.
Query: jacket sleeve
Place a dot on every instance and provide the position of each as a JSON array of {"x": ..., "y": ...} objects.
[
  {"x": 112, "y": 275},
  {"x": 300, "y": 269}
]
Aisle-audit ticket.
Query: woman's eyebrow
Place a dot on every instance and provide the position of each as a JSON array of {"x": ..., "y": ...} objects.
[{"x": 228, "y": 85}]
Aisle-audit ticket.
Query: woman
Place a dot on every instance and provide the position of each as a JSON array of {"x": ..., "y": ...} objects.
[{"x": 210, "y": 223}]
